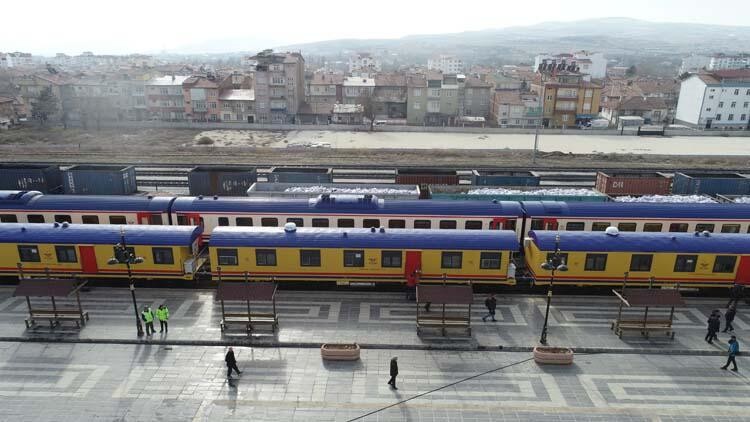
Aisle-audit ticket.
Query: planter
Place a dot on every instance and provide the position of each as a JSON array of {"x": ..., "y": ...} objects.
[
  {"x": 339, "y": 351},
  {"x": 553, "y": 355}
]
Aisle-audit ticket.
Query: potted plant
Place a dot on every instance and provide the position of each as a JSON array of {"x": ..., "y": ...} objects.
[
  {"x": 339, "y": 351},
  {"x": 553, "y": 355}
]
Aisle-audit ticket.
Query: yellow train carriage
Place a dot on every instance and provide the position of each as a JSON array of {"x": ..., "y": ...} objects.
[
  {"x": 602, "y": 258},
  {"x": 363, "y": 255},
  {"x": 84, "y": 250}
]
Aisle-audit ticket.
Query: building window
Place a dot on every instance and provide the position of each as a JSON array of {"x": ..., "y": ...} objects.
[
  {"x": 626, "y": 227},
  {"x": 652, "y": 227},
  {"x": 417, "y": 92},
  {"x": 8, "y": 218},
  {"x": 473, "y": 225},
  {"x": 710, "y": 97},
  {"x": 451, "y": 260},
  {"x": 227, "y": 256},
  {"x": 163, "y": 256},
  {"x": 448, "y": 224},
  {"x": 595, "y": 262},
  {"x": 417, "y": 106},
  {"x": 736, "y": 92},
  {"x": 685, "y": 263},
  {"x": 731, "y": 117},
  {"x": 346, "y": 222},
  {"x": 320, "y": 222},
  {"x": 390, "y": 259},
  {"x": 66, "y": 253},
  {"x": 354, "y": 258},
  {"x": 244, "y": 221},
  {"x": 396, "y": 224},
  {"x": 227, "y": 116},
  {"x": 489, "y": 260},
  {"x": 724, "y": 263},
  {"x": 721, "y": 104},
  {"x": 599, "y": 226},
  {"x": 422, "y": 224},
  {"x": 746, "y": 104},
  {"x": 370, "y": 222},
  {"x": 223, "y": 221},
  {"x": 117, "y": 219},
  {"x": 575, "y": 226},
  {"x": 704, "y": 228},
  {"x": 641, "y": 262},
  {"x": 743, "y": 117},
  {"x": 309, "y": 258},
  {"x": 265, "y": 257},
  {"x": 269, "y": 222},
  {"x": 733, "y": 104},
  {"x": 718, "y": 117},
  {"x": 708, "y": 108},
  {"x": 564, "y": 118},
  {"x": 678, "y": 228}
]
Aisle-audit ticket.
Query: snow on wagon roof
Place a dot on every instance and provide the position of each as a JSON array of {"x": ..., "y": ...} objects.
[
  {"x": 636, "y": 210},
  {"x": 99, "y": 234},
  {"x": 304, "y": 237}
]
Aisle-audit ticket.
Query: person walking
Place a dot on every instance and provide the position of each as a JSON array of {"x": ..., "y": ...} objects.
[
  {"x": 491, "y": 304},
  {"x": 717, "y": 324},
  {"x": 162, "y": 313},
  {"x": 148, "y": 317},
  {"x": 729, "y": 318},
  {"x": 734, "y": 348},
  {"x": 735, "y": 294},
  {"x": 713, "y": 321},
  {"x": 394, "y": 372},
  {"x": 231, "y": 363}
]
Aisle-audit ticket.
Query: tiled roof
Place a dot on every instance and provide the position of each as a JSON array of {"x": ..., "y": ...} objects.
[
  {"x": 390, "y": 79},
  {"x": 168, "y": 80},
  {"x": 237, "y": 95},
  {"x": 508, "y": 97},
  {"x": 320, "y": 78},
  {"x": 642, "y": 103}
]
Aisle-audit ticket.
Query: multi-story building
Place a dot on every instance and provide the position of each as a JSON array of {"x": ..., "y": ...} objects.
[
  {"x": 164, "y": 98},
  {"x": 568, "y": 99},
  {"x": 446, "y": 64},
  {"x": 654, "y": 110},
  {"x": 719, "y": 99},
  {"x": 31, "y": 86},
  {"x": 728, "y": 62},
  {"x": 442, "y": 99},
  {"x": 201, "y": 99},
  {"x": 589, "y": 63},
  {"x": 357, "y": 89},
  {"x": 694, "y": 63},
  {"x": 416, "y": 99},
  {"x": 323, "y": 91},
  {"x": 279, "y": 86},
  {"x": 475, "y": 96},
  {"x": 16, "y": 59},
  {"x": 364, "y": 64},
  {"x": 514, "y": 109},
  {"x": 389, "y": 97},
  {"x": 7, "y": 112},
  {"x": 237, "y": 105}
]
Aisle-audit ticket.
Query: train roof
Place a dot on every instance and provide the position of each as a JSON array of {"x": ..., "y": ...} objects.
[
  {"x": 642, "y": 242},
  {"x": 99, "y": 234},
  {"x": 317, "y": 238},
  {"x": 92, "y": 203},
  {"x": 636, "y": 210}
]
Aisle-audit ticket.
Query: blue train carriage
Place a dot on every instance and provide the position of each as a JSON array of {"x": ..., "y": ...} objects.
[
  {"x": 699, "y": 259},
  {"x": 362, "y": 255},
  {"x": 346, "y": 211},
  {"x": 84, "y": 250}
]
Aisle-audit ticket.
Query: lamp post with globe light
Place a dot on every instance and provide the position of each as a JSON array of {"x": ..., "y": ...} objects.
[
  {"x": 124, "y": 255},
  {"x": 554, "y": 263}
]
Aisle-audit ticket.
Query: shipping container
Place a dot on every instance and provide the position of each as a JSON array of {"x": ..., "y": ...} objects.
[
  {"x": 710, "y": 184},
  {"x": 417, "y": 176},
  {"x": 312, "y": 190},
  {"x": 100, "y": 180},
  {"x": 40, "y": 177},
  {"x": 221, "y": 180},
  {"x": 504, "y": 178},
  {"x": 570, "y": 179},
  {"x": 515, "y": 193},
  {"x": 300, "y": 175},
  {"x": 633, "y": 183}
]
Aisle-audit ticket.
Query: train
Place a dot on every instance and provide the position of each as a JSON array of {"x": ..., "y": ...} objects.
[{"x": 368, "y": 211}]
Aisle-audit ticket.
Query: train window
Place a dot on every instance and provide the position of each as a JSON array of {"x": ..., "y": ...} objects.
[
  {"x": 704, "y": 227},
  {"x": 447, "y": 224},
  {"x": 599, "y": 226},
  {"x": 309, "y": 258},
  {"x": 63, "y": 219},
  {"x": 509, "y": 225},
  {"x": 685, "y": 263},
  {"x": 537, "y": 224},
  {"x": 626, "y": 227},
  {"x": 297, "y": 221},
  {"x": 117, "y": 219},
  {"x": 265, "y": 257},
  {"x": 396, "y": 224},
  {"x": 227, "y": 256},
  {"x": 320, "y": 222},
  {"x": 370, "y": 222},
  {"x": 489, "y": 260},
  {"x": 575, "y": 226},
  {"x": 90, "y": 219},
  {"x": 8, "y": 218},
  {"x": 390, "y": 259},
  {"x": 641, "y": 262},
  {"x": 28, "y": 253},
  {"x": 35, "y": 218},
  {"x": 354, "y": 258},
  {"x": 243, "y": 221},
  {"x": 451, "y": 260},
  {"x": 346, "y": 222},
  {"x": 223, "y": 221},
  {"x": 652, "y": 227},
  {"x": 724, "y": 263},
  {"x": 422, "y": 224},
  {"x": 155, "y": 220},
  {"x": 473, "y": 225},
  {"x": 66, "y": 253},
  {"x": 595, "y": 262},
  {"x": 163, "y": 256},
  {"x": 269, "y": 222},
  {"x": 678, "y": 227},
  {"x": 182, "y": 220},
  {"x": 730, "y": 228}
]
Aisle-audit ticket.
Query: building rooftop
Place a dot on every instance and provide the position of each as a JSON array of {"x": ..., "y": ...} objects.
[
  {"x": 237, "y": 95},
  {"x": 359, "y": 81},
  {"x": 174, "y": 80},
  {"x": 348, "y": 108},
  {"x": 642, "y": 103},
  {"x": 320, "y": 78}
]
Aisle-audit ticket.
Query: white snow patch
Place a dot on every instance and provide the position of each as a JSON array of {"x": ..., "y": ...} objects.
[
  {"x": 354, "y": 191},
  {"x": 537, "y": 192},
  {"x": 684, "y": 199},
  {"x": 742, "y": 200}
]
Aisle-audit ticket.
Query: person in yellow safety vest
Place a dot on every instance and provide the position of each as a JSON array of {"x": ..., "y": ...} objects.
[
  {"x": 163, "y": 315},
  {"x": 148, "y": 317}
]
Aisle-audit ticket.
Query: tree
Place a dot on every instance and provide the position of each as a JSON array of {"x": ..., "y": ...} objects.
[
  {"x": 45, "y": 105},
  {"x": 631, "y": 71},
  {"x": 368, "y": 109}
]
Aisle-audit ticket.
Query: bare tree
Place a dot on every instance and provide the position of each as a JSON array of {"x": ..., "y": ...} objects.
[
  {"x": 45, "y": 105},
  {"x": 368, "y": 109}
]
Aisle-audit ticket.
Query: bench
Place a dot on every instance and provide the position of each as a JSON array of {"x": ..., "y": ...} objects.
[
  {"x": 248, "y": 320},
  {"x": 55, "y": 317},
  {"x": 438, "y": 322},
  {"x": 643, "y": 326}
]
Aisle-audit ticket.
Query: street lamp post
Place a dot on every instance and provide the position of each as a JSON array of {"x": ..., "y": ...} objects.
[
  {"x": 124, "y": 256},
  {"x": 553, "y": 264},
  {"x": 541, "y": 117}
]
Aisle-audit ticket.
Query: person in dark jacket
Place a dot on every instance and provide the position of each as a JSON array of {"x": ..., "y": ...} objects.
[
  {"x": 394, "y": 372},
  {"x": 729, "y": 318},
  {"x": 714, "y": 325},
  {"x": 735, "y": 294},
  {"x": 231, "y": 363},
  {"x": 734, "y": 348},
  {"x": 491, "y": 304}
]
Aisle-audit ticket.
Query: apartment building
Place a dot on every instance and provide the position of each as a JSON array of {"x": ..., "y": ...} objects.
[
  {"x": 589, "y": 63},
  {"x": 512, "y": 108},
  {"x": 364, "y": 64},
  {"x": 279, "y": 86},
  {"x": 389, "y": 97},
  {"x": 357, "y": 90},
  {"x": 323, "y": 91},
  {"x": 445, "y": 64},
  {"x": 201, "y": 98},
  {"x": 728, "y": 62},
  {"x": 475, "y": 96},
  {"x": 568, "y": 99},
  {"x": 416, "y": 99},
  {"x": 719, "y": 99},
  {"x": 164, "y": 98},
  {"x": 442, "y": 99}
]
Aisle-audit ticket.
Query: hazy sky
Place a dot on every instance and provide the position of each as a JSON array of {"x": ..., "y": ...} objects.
[{"x": 129, "y": 26}]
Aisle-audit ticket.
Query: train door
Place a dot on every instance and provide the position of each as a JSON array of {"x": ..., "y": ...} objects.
[
  {"x": 189, "y": 219},
  {"x": 544, "y": 224},
  {"x": 498, "y": 223},
  {"x": 413, "y": 267},
  {"x": 88, "y": 260},
  {"x": 743, "y": 271}
]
